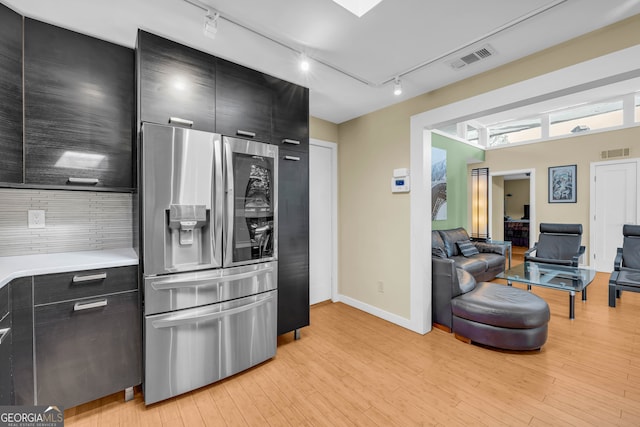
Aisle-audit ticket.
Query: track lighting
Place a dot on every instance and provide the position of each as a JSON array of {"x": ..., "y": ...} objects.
[
  {"x": 211, "y": 24},
  {"x": 397, "y": 86},
  {"x": 304, "y": 62}
]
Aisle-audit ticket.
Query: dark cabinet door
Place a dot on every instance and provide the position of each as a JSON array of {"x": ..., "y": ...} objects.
[
  {"x": 87, "y": 349},
  {"x": 10, "y": 95},
  {"x": 243, "y": 102},
  {"x": 21, "y": 297},
  {"x": 79, "y": 108},
  {"x": 175, "y": 81},
  {"x": 293, "y": 241},
  {"x": 291, "y": 116}
]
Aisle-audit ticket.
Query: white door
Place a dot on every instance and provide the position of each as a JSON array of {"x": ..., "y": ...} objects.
[
  {"x": 321, "y": 211},
  {"x": 615, "y": 204}
]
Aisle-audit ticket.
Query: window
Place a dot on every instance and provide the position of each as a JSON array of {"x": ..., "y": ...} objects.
[
  {"x": 514, "y": 131},
  {"x": 586, "y": 117}
]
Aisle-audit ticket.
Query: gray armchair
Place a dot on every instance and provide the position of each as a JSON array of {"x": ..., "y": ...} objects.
[
  {"x": 557, "y": 244},
  {"x": 626, "y": 273}
]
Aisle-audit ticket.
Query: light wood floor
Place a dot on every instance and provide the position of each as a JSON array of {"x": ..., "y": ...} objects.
[{"x": 351, "y": 368}]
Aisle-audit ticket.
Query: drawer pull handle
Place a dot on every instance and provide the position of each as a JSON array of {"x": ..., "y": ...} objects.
[
  {"x": 291, "y": 141},
  {"x": 83, "y": 181},
  {"x": 89, "y": 278},
  {"x": 246, "y": 133},
  {"x": 293, "y": 158},
  {"x": 4, "y": 333},
  {"x": 179, "y": 121},
  {"x": 79, "y": 306}
]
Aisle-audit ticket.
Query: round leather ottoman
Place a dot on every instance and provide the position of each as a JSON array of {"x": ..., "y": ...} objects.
[{"x": 501, "y": 316}]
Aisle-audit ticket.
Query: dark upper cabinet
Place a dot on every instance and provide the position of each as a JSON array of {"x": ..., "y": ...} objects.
[
  {"x": 175, "y": 81},
  {"x": 79, "y": 109},
  {"x": 11, "y": 95},
  {"x": 290, "y": 116},
  {"x": 293, "y": 240},
  {"x": 244, "y": 102}
]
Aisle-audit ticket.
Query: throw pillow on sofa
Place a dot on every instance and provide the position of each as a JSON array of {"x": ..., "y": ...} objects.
[{"x": 467, "y": 248}]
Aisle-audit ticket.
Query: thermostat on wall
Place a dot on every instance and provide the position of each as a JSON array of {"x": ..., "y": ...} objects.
[{"x": 401, "y": 182}]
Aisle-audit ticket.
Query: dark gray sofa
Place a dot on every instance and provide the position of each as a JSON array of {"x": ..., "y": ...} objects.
[{"x": 484, "y": 266}]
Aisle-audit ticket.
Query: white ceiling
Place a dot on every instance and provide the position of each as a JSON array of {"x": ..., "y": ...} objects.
[{"x": 392, "y": 38}]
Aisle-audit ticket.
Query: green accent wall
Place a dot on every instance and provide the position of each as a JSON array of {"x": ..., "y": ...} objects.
[{"x": 458, "y": 156}]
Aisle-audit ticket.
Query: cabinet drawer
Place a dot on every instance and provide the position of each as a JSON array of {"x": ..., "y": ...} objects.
[
  {"x": 82, "y": 284},
  {"x": 84, "y": 351}
]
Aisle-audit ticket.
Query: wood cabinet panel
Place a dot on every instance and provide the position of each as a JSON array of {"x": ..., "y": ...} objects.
[
  {"x": 11, "y": 95},
  {"x": 293, "y": 241},
  {"x": 79, "y": 108},
  {"x": 244, "y": 102},
  {"x": 21, "y": 295},
  {"x": 175, "y": 81},
  {"x": 6, "y": 379},
  {"x": 291, "y": 116}
]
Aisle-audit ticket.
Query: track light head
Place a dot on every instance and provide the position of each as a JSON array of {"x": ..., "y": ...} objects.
[
  {"x": 397, "y": 86},
  {"x": 211, "y": 24}
]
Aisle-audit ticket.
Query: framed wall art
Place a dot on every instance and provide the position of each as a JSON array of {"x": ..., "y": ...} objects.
[{"x": 562, "y": 184}]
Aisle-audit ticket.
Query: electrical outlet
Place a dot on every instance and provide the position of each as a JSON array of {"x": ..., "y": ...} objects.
[
  {"x": 36, "y": 218},
  {"x": 380, "y": 286}
]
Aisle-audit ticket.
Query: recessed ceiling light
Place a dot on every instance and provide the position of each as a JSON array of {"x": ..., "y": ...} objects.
[
  {"x": 358, "y": 7},
  {"x": 397, "y": 86},
  {"x": 304, "y": 62}
]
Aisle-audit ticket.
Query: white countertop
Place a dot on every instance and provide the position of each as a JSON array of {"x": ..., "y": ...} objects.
[{"x": 12, "y": 267}]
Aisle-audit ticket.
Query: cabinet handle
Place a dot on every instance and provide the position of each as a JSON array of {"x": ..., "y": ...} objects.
[
  {"x": 89, "y": 277},
  {"x": 293, "y": 158},
  {"x": 291, "y": 141},
  {"x": 79, "y": 306},
  {"x": 245, "y": 133},
  {"x": 83, "y": 181},
  {"x": 179, "y": 121},
  {"x": 3, "y": 334}
]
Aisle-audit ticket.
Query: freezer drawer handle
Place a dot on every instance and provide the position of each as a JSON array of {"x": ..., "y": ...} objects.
[
  {"x": 293, "y": 158},
  {"x": 179, "y": 121},
  {"x": 245, "y": 133},
  {"x": 79, "y": 306},
  {"x": 206, "y": 316},
  {"x": 89, "y": 277},
  {"x": 175, "y": 284},
  {"x": 3, "y": 334},
  {"x": 83, "y": 181},
  {"x": 291, "y": 141}
]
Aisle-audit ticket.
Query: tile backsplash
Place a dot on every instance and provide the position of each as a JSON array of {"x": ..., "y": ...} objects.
[{"x": 74, "y": 221}]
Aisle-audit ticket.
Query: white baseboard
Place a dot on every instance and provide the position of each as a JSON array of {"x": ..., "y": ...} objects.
[{"x": 375, "y": 311}]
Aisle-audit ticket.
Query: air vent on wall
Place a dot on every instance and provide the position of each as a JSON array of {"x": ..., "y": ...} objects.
[
  {"x": 617, "y": 152},
  {"x": 475, "y": 56}
]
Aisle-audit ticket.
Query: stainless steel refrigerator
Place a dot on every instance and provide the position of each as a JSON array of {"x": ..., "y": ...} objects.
[{"x": 209, "y": 256}]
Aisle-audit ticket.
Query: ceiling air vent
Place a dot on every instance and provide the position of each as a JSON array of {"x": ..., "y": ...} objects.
[
  {"x": 475, "y": 56},
  {"x": 617, "y": 152}
]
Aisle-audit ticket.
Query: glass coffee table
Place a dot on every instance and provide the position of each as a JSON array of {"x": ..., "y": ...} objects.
[{"x": 560, "y": 277}]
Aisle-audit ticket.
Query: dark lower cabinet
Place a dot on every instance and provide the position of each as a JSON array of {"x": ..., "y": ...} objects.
[
  {"x": 79, "y": 109},
  {"x": 11, "y": 95},
  {"x": 176, "y": 83},
  {"x": 87, "y": 349},
  {"x": 293, "y": 240},
  {"x": 6, "y": 378},
  {"x": 244, "y": 102}
]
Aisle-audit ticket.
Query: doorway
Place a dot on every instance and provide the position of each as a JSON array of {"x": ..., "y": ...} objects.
[
  {"x": 323, "y": 214},
  {"x": 512, "y": 207}
]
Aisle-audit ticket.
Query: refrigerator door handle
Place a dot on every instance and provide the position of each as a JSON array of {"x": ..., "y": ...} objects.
[
  {"x": 206, "y": 315},
  {"x": 218, "y": 202},
  {"x": 228, "y": 247},
  {"x": 168, "y": 284}
]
